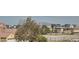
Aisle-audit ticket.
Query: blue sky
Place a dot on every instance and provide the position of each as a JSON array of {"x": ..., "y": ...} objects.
[{"x": 44, "y": 19}]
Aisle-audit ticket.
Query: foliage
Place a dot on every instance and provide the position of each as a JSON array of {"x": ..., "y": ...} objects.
[
  {"x": 41, "y": 38},
  {"x": 29, "y": 31},
  {"x": 45, "y": 29}
]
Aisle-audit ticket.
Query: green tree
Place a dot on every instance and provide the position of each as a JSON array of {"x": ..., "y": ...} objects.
[
  {"x": 29, "y": 31},
  {"x": 45, "y": 29}
]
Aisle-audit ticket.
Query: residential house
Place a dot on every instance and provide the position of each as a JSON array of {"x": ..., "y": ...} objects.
[
  {"x": 5, "y": 33},
  {"x": 76, "y": 30},
  {"x": 64, "y": 29}
]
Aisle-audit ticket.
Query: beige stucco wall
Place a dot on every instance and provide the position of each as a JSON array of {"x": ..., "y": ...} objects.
[
  {"x": 76, "y": 30},
  {"x": 10, "y": 36}
]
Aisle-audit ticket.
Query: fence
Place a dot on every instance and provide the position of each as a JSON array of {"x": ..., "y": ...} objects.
[{"x": 71, "y": 38}]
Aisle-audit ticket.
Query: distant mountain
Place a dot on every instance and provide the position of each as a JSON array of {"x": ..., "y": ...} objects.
[
  {"x": 45, "y": 23},
  {"x": 42, "y": 23}
]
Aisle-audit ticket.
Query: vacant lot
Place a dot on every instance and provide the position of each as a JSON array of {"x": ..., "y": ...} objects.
[{"x": 60, "y": 38}]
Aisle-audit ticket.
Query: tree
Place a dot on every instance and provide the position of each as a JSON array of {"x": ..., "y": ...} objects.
[
  {"x": 29, "y": 31},
  {"x": 45, "y": 29},
  {"x": 53, "y": 27}
]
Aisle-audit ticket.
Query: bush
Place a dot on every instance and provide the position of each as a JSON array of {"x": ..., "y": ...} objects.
[{"x": 41, "y": 38}]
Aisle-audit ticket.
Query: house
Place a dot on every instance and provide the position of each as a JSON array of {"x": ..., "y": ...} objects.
[
  {"x": 2, "y": 27},
  {"x": 11, "y": 36},
  {"x": 64, "y": 29},
  {"x": 57, "y": 28},
  {"x": 6, "y": 33},
  {"x": 76, "y": 30}
]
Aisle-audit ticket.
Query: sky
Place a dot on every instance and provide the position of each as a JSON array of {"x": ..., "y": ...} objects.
[{"x": 13, "y": 20}]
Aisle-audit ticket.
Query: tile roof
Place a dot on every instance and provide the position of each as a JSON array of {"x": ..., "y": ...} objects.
[{"x": 7, "y": 32}]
